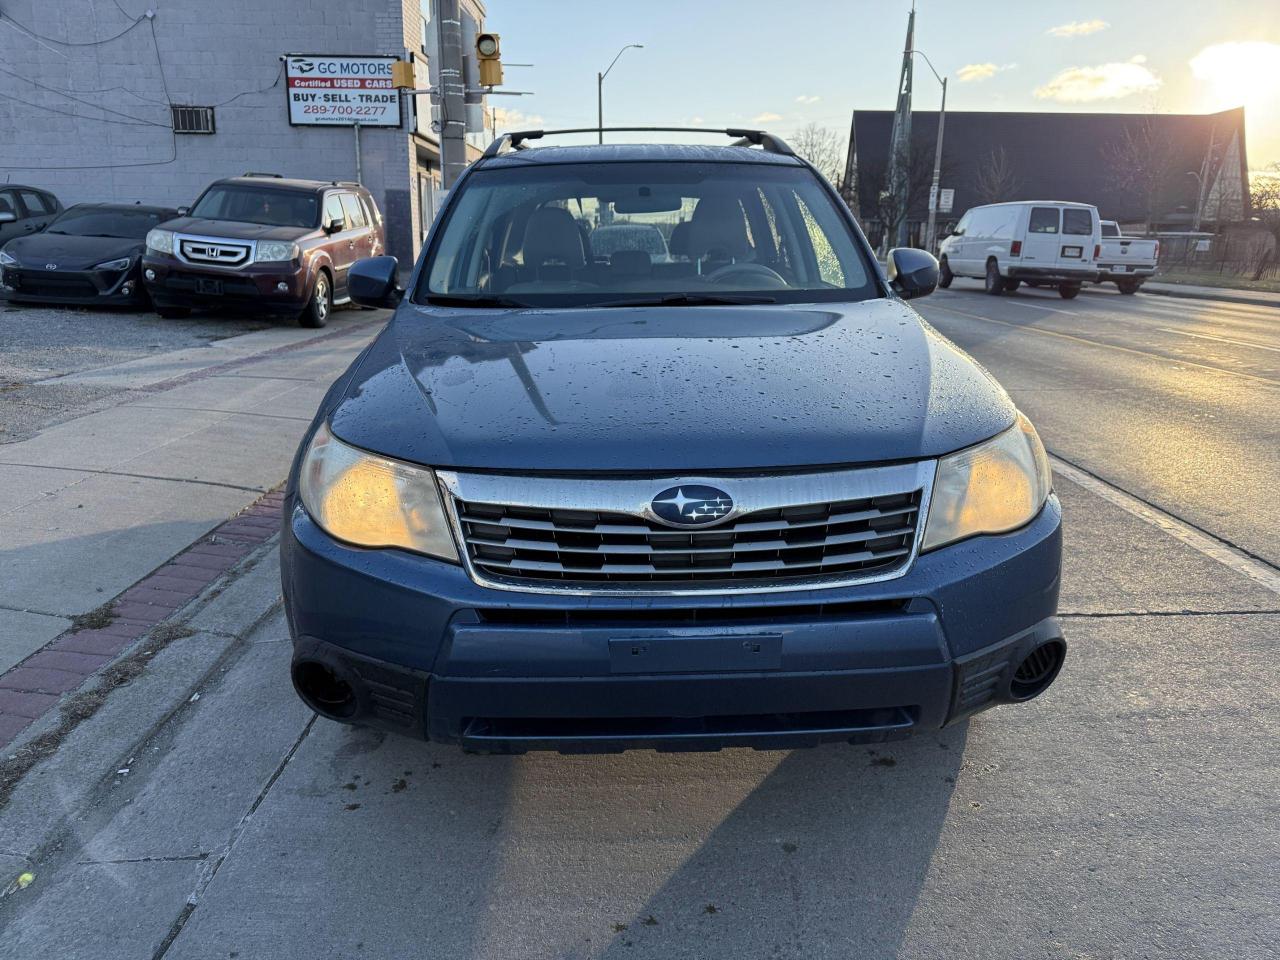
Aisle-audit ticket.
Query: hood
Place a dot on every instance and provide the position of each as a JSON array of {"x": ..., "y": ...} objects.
[
  {"x": 235, "y": 229},
  {"x": 68, "y": 252},
  {"x": 667, "y": 389}
]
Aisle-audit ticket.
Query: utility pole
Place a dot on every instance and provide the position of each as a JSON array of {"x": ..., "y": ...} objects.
[
  {"x": 900, "y": 143},
  {"x": 932, "y": 234},
  {"x": 453, "y": 94}
]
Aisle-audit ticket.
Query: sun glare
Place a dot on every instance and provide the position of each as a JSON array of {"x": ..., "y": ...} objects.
[{"x": 1246, "y": 72}]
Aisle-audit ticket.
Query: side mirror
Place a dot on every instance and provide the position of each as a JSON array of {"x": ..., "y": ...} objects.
[
  {"x": 334, "y": 224},
  {"x": 183, "y": 211},
  {"x": 912, "y": 273},
  {"x": 374, "y": 282},
  {"x": 8, "y": 216}
]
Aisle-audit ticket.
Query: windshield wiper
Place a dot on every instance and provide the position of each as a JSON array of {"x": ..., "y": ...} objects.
[
  {"x": 479, "y": 300},
  {"x": 686, "y": 300}
]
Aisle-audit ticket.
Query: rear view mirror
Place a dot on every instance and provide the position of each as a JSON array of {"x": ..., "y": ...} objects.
[
  {"x": 374, "y": 282},
  {"x": 333, "y": 224},
  {"x": 183, "y": 211},
  {"x": 8, "y": 216},
  {"x": 646, "y": 201},
  {"x": 913, "y": 273}
]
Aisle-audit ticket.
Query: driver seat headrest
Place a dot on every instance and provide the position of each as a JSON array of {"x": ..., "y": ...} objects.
[
  {"x": 717, "y": 230},
  {"x": 552, "y": 237}
]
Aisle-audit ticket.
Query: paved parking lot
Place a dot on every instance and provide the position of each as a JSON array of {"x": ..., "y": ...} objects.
[{"x": 42, "y": 344}]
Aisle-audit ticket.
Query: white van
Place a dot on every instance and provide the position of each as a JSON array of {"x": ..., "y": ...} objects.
[{"x": 1040, "y": 242}]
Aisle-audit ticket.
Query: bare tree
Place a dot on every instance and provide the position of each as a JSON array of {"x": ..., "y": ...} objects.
[
  {"x": 1141, "y": 161},
  {"x": 822, "y": 147},
  {"x": 1264, "y": 191},
  {"x": 881, "y": 202},
  {"x": 997, "y": 181}
]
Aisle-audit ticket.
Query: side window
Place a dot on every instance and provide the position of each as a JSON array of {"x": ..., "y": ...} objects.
[
  {"x": 333, "y": 209},
  {"x": 371, "y": 212},
  {"x": 9, "y": 203},
  {"x": 35, "y": 203},
  {"x": 829, "y": 267},
  {"x": 1077, "y": 222},
  {"x": 963, "y": 225},
  {"x": 355, "y": 213},
  {"x": 1043, "y": 220}
]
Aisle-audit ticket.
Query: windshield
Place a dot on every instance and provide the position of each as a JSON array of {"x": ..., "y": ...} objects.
[
  {"x": 620, "y": 233},
  {"x": 273, "y": 208},
  {"x": 97, "y": 222}
]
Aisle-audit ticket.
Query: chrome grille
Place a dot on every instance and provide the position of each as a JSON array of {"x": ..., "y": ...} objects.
[
  {"x": 219, "y": 252},
  {"x": 547, "y": 545}
]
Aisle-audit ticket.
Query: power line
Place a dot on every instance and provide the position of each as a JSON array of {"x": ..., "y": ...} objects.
[
  {"x": 78, "y": 116},
  {"x": 86, "y": 103},
  {"x": 71, "y": 43}
]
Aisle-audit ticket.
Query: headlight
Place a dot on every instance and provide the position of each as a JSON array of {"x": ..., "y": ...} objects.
[
  {"x": 372, "y": 501},
  {"x": 160, "y": 241},
  {"x": 272, "y": 251},
  {"x": 121, "y": 264},
  {"x": 7, "y": 260},
  {"x": 993, "y": 487}
]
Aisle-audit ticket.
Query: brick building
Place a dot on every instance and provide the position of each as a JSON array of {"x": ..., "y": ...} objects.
[{"x": 93, "y": 97}]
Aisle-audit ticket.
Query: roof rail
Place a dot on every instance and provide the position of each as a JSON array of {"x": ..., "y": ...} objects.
[
  {"x": 255, "y": 173},
  {"x": 757, "y": 138}
]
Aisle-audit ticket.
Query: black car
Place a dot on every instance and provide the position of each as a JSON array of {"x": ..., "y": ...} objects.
[{"x": 89, "y": 255}]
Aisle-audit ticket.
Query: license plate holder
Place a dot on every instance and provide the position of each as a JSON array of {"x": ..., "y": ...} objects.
[
  {"x": 210, "y": 288},
  {"x": 1119, "y": 268},
  {"x": 1074, "y": 253},
  {"x": 715, "y": 654}
]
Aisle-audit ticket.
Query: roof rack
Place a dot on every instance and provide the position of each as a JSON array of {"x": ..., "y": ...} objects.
[
  {"x": 742, "y": 138},
  {"x": 255, "y": 173}
]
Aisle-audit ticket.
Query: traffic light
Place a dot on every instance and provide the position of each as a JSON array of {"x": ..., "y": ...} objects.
[{"x": 488, "y": 54}]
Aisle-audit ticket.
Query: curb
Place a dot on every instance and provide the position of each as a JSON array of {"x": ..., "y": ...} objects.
[
  {"x": 1227, "y": 295},
  {"x": 37, "y": 685}
]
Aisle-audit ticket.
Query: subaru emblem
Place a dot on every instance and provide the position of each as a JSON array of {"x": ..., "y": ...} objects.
[{"x": 691, "y": 505}]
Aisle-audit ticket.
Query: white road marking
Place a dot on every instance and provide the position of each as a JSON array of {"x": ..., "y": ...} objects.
[
  {"x": 1204, "y": 543},
  {"x": 1209, "y": 336}
]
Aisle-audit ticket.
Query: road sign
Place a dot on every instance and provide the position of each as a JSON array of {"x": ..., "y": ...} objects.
[
  {"x": 947, "y": 201},
  {"x": 333, "y": 91},
  {"x": 933, "y": 197}
]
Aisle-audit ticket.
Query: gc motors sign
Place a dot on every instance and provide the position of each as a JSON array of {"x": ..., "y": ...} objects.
[{"x": 341, "y": 91}]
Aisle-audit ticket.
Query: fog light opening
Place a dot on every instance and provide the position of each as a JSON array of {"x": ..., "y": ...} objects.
[
  {"x": 149, "y": 274},
  {"x": 282, "y": 287},
  {"x": 323, "y": 690},
  {"x": 1037, "y": 670}
]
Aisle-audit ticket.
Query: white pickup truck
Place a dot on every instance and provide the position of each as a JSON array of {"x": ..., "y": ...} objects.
[{"x": 1126, "y": 260}]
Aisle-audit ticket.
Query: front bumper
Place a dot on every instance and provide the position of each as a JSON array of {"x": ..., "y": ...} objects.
[
  {"x": 73, "y": 287},
  {"x": 1059, "y": 274},
  {"x": 253, "y": 287},
  {"x": 431, "y": 654}
]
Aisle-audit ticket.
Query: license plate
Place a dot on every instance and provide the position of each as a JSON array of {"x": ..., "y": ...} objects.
[
  {"x": 666, "y": 654},
  {"x": 1119, "y": 268},
  {"x": 1076, "y": 252},
  {"x": 209, "y": 287}
]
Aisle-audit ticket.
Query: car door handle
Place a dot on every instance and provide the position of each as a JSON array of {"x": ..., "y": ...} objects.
[{"x": 351, "y": 244}]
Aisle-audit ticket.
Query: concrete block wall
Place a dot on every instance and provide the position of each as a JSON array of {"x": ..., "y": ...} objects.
[{"x": 111, "y": 140}]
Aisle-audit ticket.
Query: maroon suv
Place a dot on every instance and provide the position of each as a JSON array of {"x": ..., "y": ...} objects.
[{"x": 263, "y": 243}]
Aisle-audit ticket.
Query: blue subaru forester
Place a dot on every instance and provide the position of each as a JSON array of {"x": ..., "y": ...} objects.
[{"x": 713, "y": 485}]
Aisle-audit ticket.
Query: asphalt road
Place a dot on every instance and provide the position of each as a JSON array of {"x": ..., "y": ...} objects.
[{"x": 1130, "y": 812}]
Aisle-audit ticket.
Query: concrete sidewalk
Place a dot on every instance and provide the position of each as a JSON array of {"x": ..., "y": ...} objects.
[
  {"x": 1125, "y": 813},
  {"x": 90, "y": 506},
  {"x": 1188, "y": 291}
]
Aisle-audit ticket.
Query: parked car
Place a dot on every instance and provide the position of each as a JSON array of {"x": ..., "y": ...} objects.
[
  {"x": 751, "y": 499},
  {"x": 90, "y": 254},
  {"x": 25, "y": 210},
  {"x": 1127, "y": 261},
  {"x": 1044, "y": 243},
  {"x": 264, "y": 243}
]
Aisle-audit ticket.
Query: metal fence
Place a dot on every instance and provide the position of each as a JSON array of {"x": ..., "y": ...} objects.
[{"x": 1245, "y": 257}]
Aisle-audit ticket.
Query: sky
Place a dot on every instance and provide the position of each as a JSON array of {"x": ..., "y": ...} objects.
[{"x": 782, "y": 65}]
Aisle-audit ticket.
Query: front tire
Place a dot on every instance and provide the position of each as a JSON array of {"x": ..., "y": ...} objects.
[
  {"x": 1128, "y": 287},
  {"x": 1011, "y": 285},
  {"x": 994, "y": 283},
  {"x": 1068, "y": 291},
  {"x": 320, "y": 305},
  {"x": 945, "y": 276}
]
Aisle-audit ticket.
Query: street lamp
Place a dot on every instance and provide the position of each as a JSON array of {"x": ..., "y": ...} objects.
[
  {"x": 600, "y": 89},
  {"x": 931, "y": 233}
]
